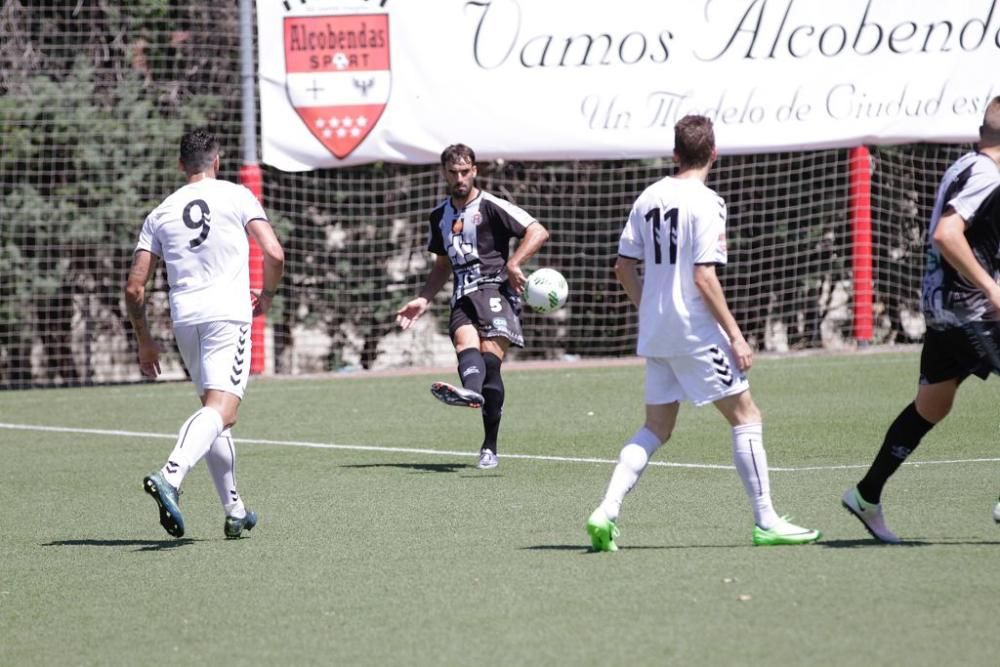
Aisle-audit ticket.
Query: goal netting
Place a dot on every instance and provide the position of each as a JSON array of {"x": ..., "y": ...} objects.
[{"x": 93, "y": 98}]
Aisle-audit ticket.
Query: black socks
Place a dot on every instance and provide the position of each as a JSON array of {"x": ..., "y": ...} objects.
[
  {"x": 471, "y": 369},
  {"x": 494, "y": 395},
  {"x": 901, "y": 439}
]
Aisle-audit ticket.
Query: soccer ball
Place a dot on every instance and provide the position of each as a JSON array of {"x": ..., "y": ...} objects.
[{"x": 545, "y": 291}]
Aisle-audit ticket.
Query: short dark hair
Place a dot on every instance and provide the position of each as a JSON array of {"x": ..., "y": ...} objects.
[
  {"x": 989, "y": 131},
  {"x": 199, "y": 148},
  {"x": 694, "y": 141},
  {"x": 457, "y": 153}
]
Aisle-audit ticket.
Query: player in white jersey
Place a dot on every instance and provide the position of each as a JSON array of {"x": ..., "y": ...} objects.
[
  {"x": 693, "y": 347},
  {"x": 961, "y": 304},
  {"x": 200, "y": 232}
]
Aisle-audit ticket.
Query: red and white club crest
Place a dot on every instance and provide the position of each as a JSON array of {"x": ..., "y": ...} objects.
[{"x": 338, "y": 75}]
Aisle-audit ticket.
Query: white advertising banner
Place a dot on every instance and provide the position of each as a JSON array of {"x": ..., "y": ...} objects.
[{"x": 347, "y": 82}]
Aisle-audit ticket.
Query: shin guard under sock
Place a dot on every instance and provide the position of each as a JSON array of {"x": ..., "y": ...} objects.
[
  {"x": 901, "y": 439},
  {"x": 471, "y": 369},
  {"x": 493, "y": 392}
]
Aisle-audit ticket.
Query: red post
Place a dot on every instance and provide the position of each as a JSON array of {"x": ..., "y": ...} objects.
[
  {"x": 860, "y": 202},
  {"x": 250, "y": 176}
]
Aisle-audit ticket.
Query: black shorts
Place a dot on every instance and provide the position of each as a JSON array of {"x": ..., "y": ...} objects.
[
  {"x": 958, "y": 352},
  {"x": 495, "y": 314}
]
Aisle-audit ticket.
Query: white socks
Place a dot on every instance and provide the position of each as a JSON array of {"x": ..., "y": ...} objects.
[
  {"x": 632, "y": 461},
  {"x": 751, "y": 464},
  {"x": 193, "y": 442},
  {"x": 221, "y": 460},
  {"x": 748, "y": 456}
]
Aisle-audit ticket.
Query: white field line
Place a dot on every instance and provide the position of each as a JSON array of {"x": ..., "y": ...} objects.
[{"x": 443, "y": 452}]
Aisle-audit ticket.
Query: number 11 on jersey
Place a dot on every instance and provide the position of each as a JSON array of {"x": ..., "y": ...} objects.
[{"x": 670, "y": 217}]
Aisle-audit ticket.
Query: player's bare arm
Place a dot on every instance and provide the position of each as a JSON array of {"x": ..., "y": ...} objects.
[
  {"x": 535, "y": 235},
  {"x": 949, "y": 236},
  {"x": 413, "y": 309},
  {"x": 710, "y": 289},
  {"x": 143, "y": 266},
  {"x": 627, "y": 272},
  {"x": 274, "y": 264}
]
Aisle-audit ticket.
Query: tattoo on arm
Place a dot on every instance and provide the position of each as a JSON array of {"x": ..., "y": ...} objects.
[
  {"x": 135, "y": 300},
  {"x": 137, "y": 315}
]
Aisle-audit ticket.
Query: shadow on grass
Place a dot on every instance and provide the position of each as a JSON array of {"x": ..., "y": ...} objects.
[
  {"x": 144, "y": 545},
  {"x": 413, "y": 467},
  {"x": 482, "y": 474},
  {"x": 587, "y": 550},
  {"x": 871, "y": 542},
  {"x": 829, "y": 544}
]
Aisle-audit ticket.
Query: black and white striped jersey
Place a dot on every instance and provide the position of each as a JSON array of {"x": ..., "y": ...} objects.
[
  {"x": 949, "y": 299},
  {"x": 476, "y": 239}
]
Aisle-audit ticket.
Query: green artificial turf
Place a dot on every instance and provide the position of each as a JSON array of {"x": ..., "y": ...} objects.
[{"x": 380, "y": 543}]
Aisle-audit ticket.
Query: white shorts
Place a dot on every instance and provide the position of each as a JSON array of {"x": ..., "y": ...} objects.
[
  {"x": 217, "y": 355},
  {"x": 701, "y": 377}
]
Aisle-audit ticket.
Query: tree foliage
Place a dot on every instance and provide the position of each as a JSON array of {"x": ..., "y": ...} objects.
[
  {"x": 94, "y": 95},
  {"x": 88, "y": 135}
]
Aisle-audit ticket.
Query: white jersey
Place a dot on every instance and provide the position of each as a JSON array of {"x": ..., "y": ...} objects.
[
  {"x": 675, "y": 224},
  {"x": 199, "y": 231}
]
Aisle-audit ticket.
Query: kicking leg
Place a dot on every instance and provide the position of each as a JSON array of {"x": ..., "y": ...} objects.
[{"x": 471, "y": 371}]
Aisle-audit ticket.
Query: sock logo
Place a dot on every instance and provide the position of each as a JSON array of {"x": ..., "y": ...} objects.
[
  {"x": 471, "y": 370},
  {"x": 172, "y": 467},
  {"x": 901, "y": 452}
]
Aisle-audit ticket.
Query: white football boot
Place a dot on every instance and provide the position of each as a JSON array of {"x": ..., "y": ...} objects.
[{"x": 870, "y": 516}]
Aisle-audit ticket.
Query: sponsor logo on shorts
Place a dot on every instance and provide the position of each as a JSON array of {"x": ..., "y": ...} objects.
[{"x": 500, "y": 323}]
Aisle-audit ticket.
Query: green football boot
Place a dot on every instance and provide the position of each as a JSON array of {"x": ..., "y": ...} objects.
[
  {"x": 602, "y": 531},
  {"x": 783, "y": 532}
]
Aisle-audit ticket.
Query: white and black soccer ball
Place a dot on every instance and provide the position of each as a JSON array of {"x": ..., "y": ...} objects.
[{"x": 546, "y": 291}]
